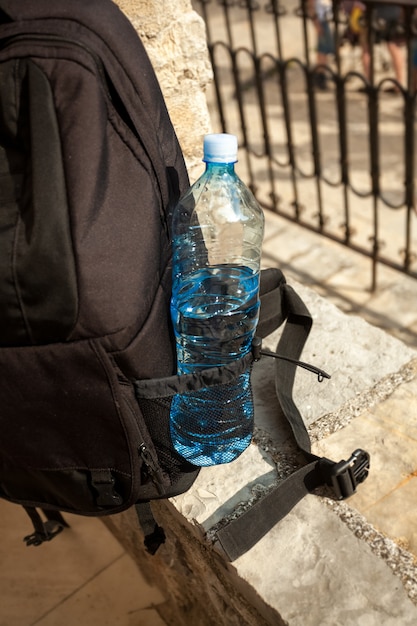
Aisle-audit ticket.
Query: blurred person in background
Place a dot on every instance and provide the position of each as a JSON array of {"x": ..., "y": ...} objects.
[
  {"x": 320, "y": 12},
  {"x": 387, "y": 21}
]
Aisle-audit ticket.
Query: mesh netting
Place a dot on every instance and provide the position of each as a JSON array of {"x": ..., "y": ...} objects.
[{"x": 213, "y": 425}]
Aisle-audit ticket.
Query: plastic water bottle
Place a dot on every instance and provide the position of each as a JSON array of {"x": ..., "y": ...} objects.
[{"x": 217, "y": 237}]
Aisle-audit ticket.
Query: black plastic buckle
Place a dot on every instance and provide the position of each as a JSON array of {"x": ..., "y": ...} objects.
[
  {"x": 345, "y": 476},
  {"x": 104, "y": 484}
]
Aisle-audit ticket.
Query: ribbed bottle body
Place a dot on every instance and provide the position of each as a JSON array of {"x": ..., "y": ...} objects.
[{"x": 217, "y": 236}]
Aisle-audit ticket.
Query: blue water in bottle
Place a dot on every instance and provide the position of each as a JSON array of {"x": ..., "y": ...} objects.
[{"x": 217, "y": 235}]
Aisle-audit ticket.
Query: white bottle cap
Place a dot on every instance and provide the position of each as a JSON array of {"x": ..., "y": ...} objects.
[{"x": 220, "y": 148}]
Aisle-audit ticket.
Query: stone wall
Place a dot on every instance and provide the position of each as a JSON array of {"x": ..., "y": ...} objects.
[{"x": 174, "y": 37}]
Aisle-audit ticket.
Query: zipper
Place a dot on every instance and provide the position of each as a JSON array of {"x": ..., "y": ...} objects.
[{"x": 154, "y": 471}]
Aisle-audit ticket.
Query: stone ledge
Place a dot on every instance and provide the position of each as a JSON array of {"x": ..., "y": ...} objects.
[{"x": 323, "y": 564}]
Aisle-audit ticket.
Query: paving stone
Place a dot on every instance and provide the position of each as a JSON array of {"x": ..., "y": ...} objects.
[
  {"x": 388, "y": 431},
  {"x": 315, "y": 571}
]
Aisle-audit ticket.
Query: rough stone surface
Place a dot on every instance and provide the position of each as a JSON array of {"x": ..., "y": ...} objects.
[
  {"x": 345, "y": 347},
  {"x": 174, "y": 37},
  {"x": 199, "y": 586},
  {"x": 317, "y": 572}
]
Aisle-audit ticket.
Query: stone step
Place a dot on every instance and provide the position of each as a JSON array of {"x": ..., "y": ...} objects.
[{"x": 327, "y": 562}]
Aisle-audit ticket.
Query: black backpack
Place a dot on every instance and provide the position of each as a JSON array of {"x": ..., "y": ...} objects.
[{"x": 90, "y": 168}]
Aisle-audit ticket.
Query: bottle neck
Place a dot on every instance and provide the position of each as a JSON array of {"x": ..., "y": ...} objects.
[{"x": 220, "y": 167}]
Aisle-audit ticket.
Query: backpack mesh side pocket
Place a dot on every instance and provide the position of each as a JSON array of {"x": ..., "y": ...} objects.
[
  {"x": 155, "y": 397},
  {"x": 214, "y": 425}
]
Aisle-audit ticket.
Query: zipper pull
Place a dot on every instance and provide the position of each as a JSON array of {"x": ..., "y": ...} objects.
[
  {"x": 154, "y": 470},
  {"x": 257, "y": 352}
]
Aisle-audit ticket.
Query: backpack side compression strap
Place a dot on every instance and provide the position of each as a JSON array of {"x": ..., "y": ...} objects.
[
  {"x": 242, "y": 533},
  {"x": 154, "y": 535}
]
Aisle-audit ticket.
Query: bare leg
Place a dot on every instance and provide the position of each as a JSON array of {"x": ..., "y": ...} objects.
[
  {"x": 366, "y": 61},
  {"x": 397, "y": 58},
  {"x": 366, "y": 57},
  {"x": 321, "y": 59}
]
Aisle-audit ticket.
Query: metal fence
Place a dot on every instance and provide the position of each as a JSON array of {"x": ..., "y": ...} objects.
[{"x": 328, "y": 139}]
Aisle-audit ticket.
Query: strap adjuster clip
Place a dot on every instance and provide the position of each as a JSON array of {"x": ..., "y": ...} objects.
[{"x": 345, "y": 476}]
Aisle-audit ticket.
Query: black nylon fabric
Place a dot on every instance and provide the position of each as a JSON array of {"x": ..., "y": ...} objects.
[
  {"x": 90, "y": 169},
  {"x": 38, "y": 287},
  {"x": 101, "y": 25},
  {"x": 272, "y": 311}
]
